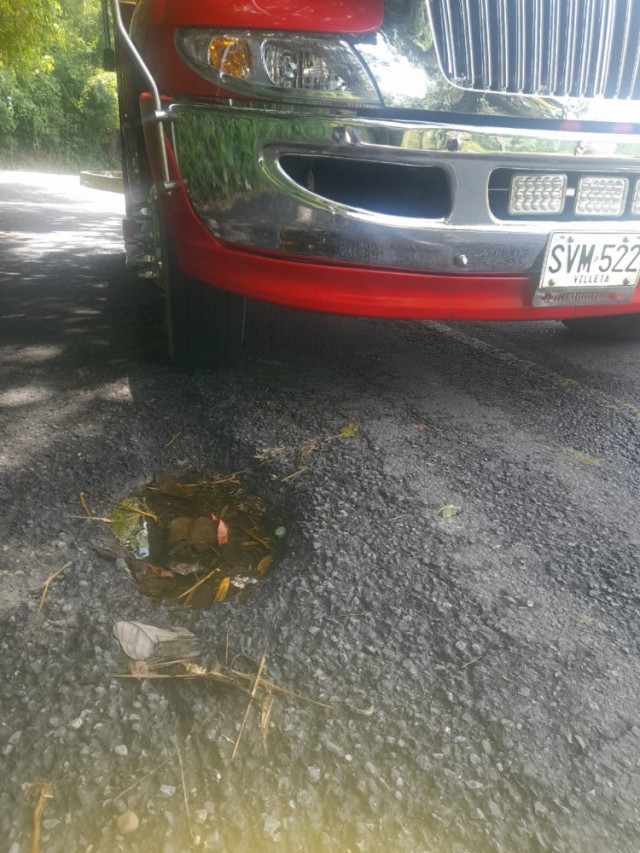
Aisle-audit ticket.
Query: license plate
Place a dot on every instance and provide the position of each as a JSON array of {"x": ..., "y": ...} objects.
[{"x": 589, "y": 269}]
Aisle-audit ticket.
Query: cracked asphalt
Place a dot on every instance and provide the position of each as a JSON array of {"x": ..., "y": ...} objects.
[{"x": 480, "y": 665}]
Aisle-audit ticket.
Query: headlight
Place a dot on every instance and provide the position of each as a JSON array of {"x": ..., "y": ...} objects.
[{"x": 280, "y": 66}]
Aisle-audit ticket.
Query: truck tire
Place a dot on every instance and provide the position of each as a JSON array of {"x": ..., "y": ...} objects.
[
  {"x": 611, "y": 328},
  {"x": 205, "y": 325}
]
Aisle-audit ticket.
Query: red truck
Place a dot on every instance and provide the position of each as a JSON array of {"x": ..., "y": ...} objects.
[{"x": 439, "y": 159}]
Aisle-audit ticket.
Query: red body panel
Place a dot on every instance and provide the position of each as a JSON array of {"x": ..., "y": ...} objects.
[
  {"x": 364, "y": 291},
  {"x": 319, "y": 16}
]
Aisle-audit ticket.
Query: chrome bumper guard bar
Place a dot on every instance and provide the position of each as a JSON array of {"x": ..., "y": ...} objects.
[{"x": 236, "y": 165}]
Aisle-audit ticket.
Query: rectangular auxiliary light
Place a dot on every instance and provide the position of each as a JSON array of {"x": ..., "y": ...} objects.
[
  {"x": 537, "y": 195},
  {"x": 600, "y": 196},
  {"x": 635, "y": 202}
]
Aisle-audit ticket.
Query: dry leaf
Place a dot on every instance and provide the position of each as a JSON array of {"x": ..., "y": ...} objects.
[
  {"x": 221, "y": 594},
  {"x": 195, "y": 668},
  {"x": 174, "y": 488},
  {"x": 140, "y": 641},
  {"x": 184, "y": 568},
  {"x": 264, "y": 564},
  {"x": 158, "y": 571},
  {"x": 581, "y": 457},
  {"x": 449, "y": 511},
  {"x": 223, "y": 530},
  {"x": 350, "y": 431}
]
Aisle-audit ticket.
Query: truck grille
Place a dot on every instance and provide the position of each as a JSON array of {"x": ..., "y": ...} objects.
[{"x": 578, "y": 48}]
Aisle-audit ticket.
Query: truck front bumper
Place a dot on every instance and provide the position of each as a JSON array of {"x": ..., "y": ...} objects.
[{"x": 373, "y": 216}]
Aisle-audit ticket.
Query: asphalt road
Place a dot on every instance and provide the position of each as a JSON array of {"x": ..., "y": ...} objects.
[{"x": 481, "y": 668}]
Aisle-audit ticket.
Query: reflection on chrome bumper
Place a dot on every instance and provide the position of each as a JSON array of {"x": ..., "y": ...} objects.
[{"x": 390, "y": 193}]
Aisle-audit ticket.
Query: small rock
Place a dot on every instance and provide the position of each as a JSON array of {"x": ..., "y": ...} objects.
[
  {"x": 475, "y": 786},
  {"x": 76, "y": 724},
  {"x": 495, "y": 809},
  {"x": 200, "y": 816},
  {"x": 50, "y": 823},
  {"x": 167, "y": 790},
  {"x": 271, "y": 826},
  {"x": 314, "y": 773},
  {"x": 127, "y": 823},
  {"x": 121, "y": 749}
]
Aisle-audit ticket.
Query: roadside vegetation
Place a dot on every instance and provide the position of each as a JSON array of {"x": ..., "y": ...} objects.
[{"x": 58, "y": 105}]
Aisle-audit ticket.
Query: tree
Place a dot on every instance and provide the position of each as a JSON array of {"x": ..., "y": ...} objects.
[
  {"x": 58, "y": 107},
  {"x": 27, "y": 30}
]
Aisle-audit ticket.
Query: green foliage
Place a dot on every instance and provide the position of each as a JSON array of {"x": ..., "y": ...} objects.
[
  {"x": 26, "y": 27},
  {"x": 58, "y": 107}
]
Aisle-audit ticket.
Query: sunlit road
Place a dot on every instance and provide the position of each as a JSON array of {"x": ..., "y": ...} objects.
[{"x": 480, "y": 663}]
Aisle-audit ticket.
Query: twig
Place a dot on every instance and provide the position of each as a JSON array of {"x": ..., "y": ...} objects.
[
  {"x": 146, "y": 776},
  {"x": 230, "y": 478},
  {"x": 44, "y": 791},
  {"x": 267, "y": 705},
  {"x": 144, "y": 512},
  {"x": 83, "y": 503},
  {"x": 45, "y": 586},
  {"x": 218, "y": 677},
  {"x": 269, "y": 685},
  {"x": 196, "y": 585},
  {"x": 173, "y": 438},
  {"x": 92, "y": 518},
  {"x": 249, "y": 704},
  {"x": 295, "y": 474},
  {"x": 184, "y": 793},
  {"x": 257, "y": 538},
  {"x": 473, "y": 660}
]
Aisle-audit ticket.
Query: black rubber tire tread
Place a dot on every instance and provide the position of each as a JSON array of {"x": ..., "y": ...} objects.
[
  {"x": 611, "y": 328},
  {"x": 205, "y": 325}
]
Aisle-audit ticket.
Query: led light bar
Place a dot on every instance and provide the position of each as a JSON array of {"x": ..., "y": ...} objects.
[
  {"x": 635, "y": 201},
  {"x": 600, "y": 196},
  {"x": 537, "y": 195}
]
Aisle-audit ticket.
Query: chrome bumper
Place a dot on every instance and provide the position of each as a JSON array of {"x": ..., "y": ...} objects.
[{"x": 231, "y": 160}]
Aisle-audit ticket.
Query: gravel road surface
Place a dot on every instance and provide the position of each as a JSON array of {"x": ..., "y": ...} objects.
[{"x": 480, "y": 664}]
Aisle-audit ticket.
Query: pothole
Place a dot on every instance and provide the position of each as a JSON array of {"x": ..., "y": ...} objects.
[{"x": 196, "y": 542}]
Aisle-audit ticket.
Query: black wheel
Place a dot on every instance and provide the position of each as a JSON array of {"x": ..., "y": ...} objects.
[
  {"x": 619, "y": 327},
  {"x": 205, "y": 325}
]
